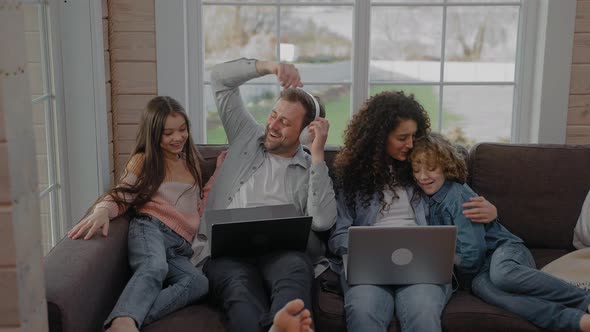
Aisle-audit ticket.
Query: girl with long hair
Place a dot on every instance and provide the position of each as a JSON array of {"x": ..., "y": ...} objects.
[
  {"x": 163, "y": 185},
  {"x": 374, "y": 186}
]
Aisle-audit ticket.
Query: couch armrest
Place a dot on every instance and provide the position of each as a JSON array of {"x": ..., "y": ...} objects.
[{"x": 83, "y": 279}]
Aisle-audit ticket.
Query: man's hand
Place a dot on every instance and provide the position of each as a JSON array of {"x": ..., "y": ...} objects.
[
  {"x": 318, "y": 133},
  {"x": 287, "y": 75},
  {"x": 478, "y": 209}
]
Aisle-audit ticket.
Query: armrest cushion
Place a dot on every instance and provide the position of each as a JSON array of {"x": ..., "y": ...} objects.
[{"x": 84, "y": 278}]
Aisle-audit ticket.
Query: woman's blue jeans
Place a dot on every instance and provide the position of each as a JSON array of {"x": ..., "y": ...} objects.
[
  {"x": 164, "y": 280},
  {"x": 418, "y": 307},
  {"x": 512, "y": 282}
]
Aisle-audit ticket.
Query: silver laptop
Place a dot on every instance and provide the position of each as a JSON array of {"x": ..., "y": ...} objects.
[
  {"x": 256, "y": 231},
  {"x": 379, "y": 255}
]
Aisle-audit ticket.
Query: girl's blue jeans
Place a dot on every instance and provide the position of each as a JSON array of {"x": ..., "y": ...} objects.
[{"x": 164, "y": 280}]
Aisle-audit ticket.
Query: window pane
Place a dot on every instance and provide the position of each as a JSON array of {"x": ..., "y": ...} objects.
[
  {"x": 34, "y": 48},
  {"x": 336, "y": 100},
  {"x": 483, "y": 1},
  {"x": 46, "y": 227},
  {"x": 40, "y": 132},
  {"x": 259, "y": 100},
  {"x": 403, "y": 47},
  {"x": 397, "y": 1},
  {"x": 426, "y": 95},
  {"x": 242, "y": 1},
  {"x": 319, "y": 39},
  {"x": 238, "y": 31},
  {"x": 477, "y": 113},
  {"x": 481, "y": 43},
  {"x": 320, "y": 1}
]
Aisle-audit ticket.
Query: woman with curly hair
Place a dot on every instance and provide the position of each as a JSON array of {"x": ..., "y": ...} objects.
[{"x": 374, "y": 185}]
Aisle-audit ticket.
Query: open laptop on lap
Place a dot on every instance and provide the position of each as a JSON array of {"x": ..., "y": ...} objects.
[
  {"x": 400, "y": 255},
  {"x": 256, "y": 231}
]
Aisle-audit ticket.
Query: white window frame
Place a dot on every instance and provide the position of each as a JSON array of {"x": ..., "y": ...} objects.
[
  {"x": 54, "y": 120},
  {"x": 82, "y": 157},
  {"x": 541, "y": 83}
]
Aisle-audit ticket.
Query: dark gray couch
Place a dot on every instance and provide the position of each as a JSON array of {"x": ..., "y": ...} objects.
[{"x": 538, "y": 189}]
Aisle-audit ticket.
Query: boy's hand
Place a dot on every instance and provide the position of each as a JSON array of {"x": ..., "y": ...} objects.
[
  {"x": 89, "y": 225},
  {"x": 478, "y": 209}
]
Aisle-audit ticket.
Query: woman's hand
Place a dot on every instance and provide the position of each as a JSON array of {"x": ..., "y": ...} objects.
[
  {"x": 478, "y": 209},
  {"x": 92, "y": 223}
]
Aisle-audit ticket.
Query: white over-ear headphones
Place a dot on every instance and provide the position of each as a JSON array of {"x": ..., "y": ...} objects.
[{"x": 304, "y": 136}]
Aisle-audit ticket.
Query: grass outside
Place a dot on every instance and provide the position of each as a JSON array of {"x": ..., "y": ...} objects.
[{"x": 337, "y": 112}]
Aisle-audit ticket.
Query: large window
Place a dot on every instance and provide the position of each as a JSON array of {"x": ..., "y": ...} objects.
[
  {"x": 483, "y": 69},
  {"x": 45, "y": 119},
  {"x": 457, "y": 58}
]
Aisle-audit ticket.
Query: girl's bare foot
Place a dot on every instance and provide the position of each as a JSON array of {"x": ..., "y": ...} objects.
[
  {"x": 585, "y": 323},
  {"x": 292, "y": 318},
  {"x": 123, "y": 324}
]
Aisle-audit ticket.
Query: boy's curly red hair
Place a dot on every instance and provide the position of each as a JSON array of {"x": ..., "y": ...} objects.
[{"x": 433, "y": 150}]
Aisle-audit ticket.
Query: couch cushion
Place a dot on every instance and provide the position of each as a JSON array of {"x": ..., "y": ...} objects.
[
  {"x": 466, "y": 312},
  {"x": 538, "y": 189},
  {"x": 199, "y": 317}
]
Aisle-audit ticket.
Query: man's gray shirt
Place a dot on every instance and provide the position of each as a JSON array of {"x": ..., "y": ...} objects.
[{"x": 308, "y": 186}]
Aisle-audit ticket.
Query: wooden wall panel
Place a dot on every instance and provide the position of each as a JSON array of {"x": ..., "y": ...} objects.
[
  {"x": 132, "y": 42},
  {"x": 578, "y": 134},
  {"x": 9, "y": 309},
  {"x": 578, "y": 118},
  {"x": 130, "y": 108},
  {"x": 132, "y": 15},
  {"x": 134, "y": 77},
  {"x": 583, "y": 16},
  {"x": 22, "y": 295},
  {"x": 134, "y": 46}
]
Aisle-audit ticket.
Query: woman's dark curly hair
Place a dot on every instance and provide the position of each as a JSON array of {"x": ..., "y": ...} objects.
[{"x": 363, "y": 167}]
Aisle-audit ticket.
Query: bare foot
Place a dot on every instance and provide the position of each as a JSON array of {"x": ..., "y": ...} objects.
[
  {"x": 585, "y": 323},
  {"x": 292, "y": 318},
  {"x": 123, "y": 324}
]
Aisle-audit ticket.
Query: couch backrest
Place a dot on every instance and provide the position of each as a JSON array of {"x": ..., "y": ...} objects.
[{"x": 538, "y": 189}]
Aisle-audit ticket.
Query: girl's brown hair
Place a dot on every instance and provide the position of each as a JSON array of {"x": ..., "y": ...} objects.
[
  {"x": 435, "y": 150},
  {"x": 147, "y": 160}
]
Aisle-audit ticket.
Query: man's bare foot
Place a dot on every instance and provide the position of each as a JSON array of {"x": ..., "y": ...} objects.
[
  {"x": 292, "y": 318},
  {"x": 123, "y": 324},
  {"x": 585, "y": 323}
]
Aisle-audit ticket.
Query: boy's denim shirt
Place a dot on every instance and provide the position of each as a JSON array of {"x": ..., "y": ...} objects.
[
  {"x": 446, "y": 208},
  {"x": 474, "y": 240}
]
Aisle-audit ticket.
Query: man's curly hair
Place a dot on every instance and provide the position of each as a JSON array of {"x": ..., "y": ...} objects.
[{"x": 363, "y": 167}]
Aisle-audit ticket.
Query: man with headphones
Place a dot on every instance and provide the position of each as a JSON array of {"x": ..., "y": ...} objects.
[{"x": 266, "y": 165}]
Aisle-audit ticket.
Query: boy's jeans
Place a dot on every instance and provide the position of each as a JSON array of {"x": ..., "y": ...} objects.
[
  {"x": 164, "y": 280},
  {"x": 417, "y": 307},
  {"x": 512, "y": 282}
]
